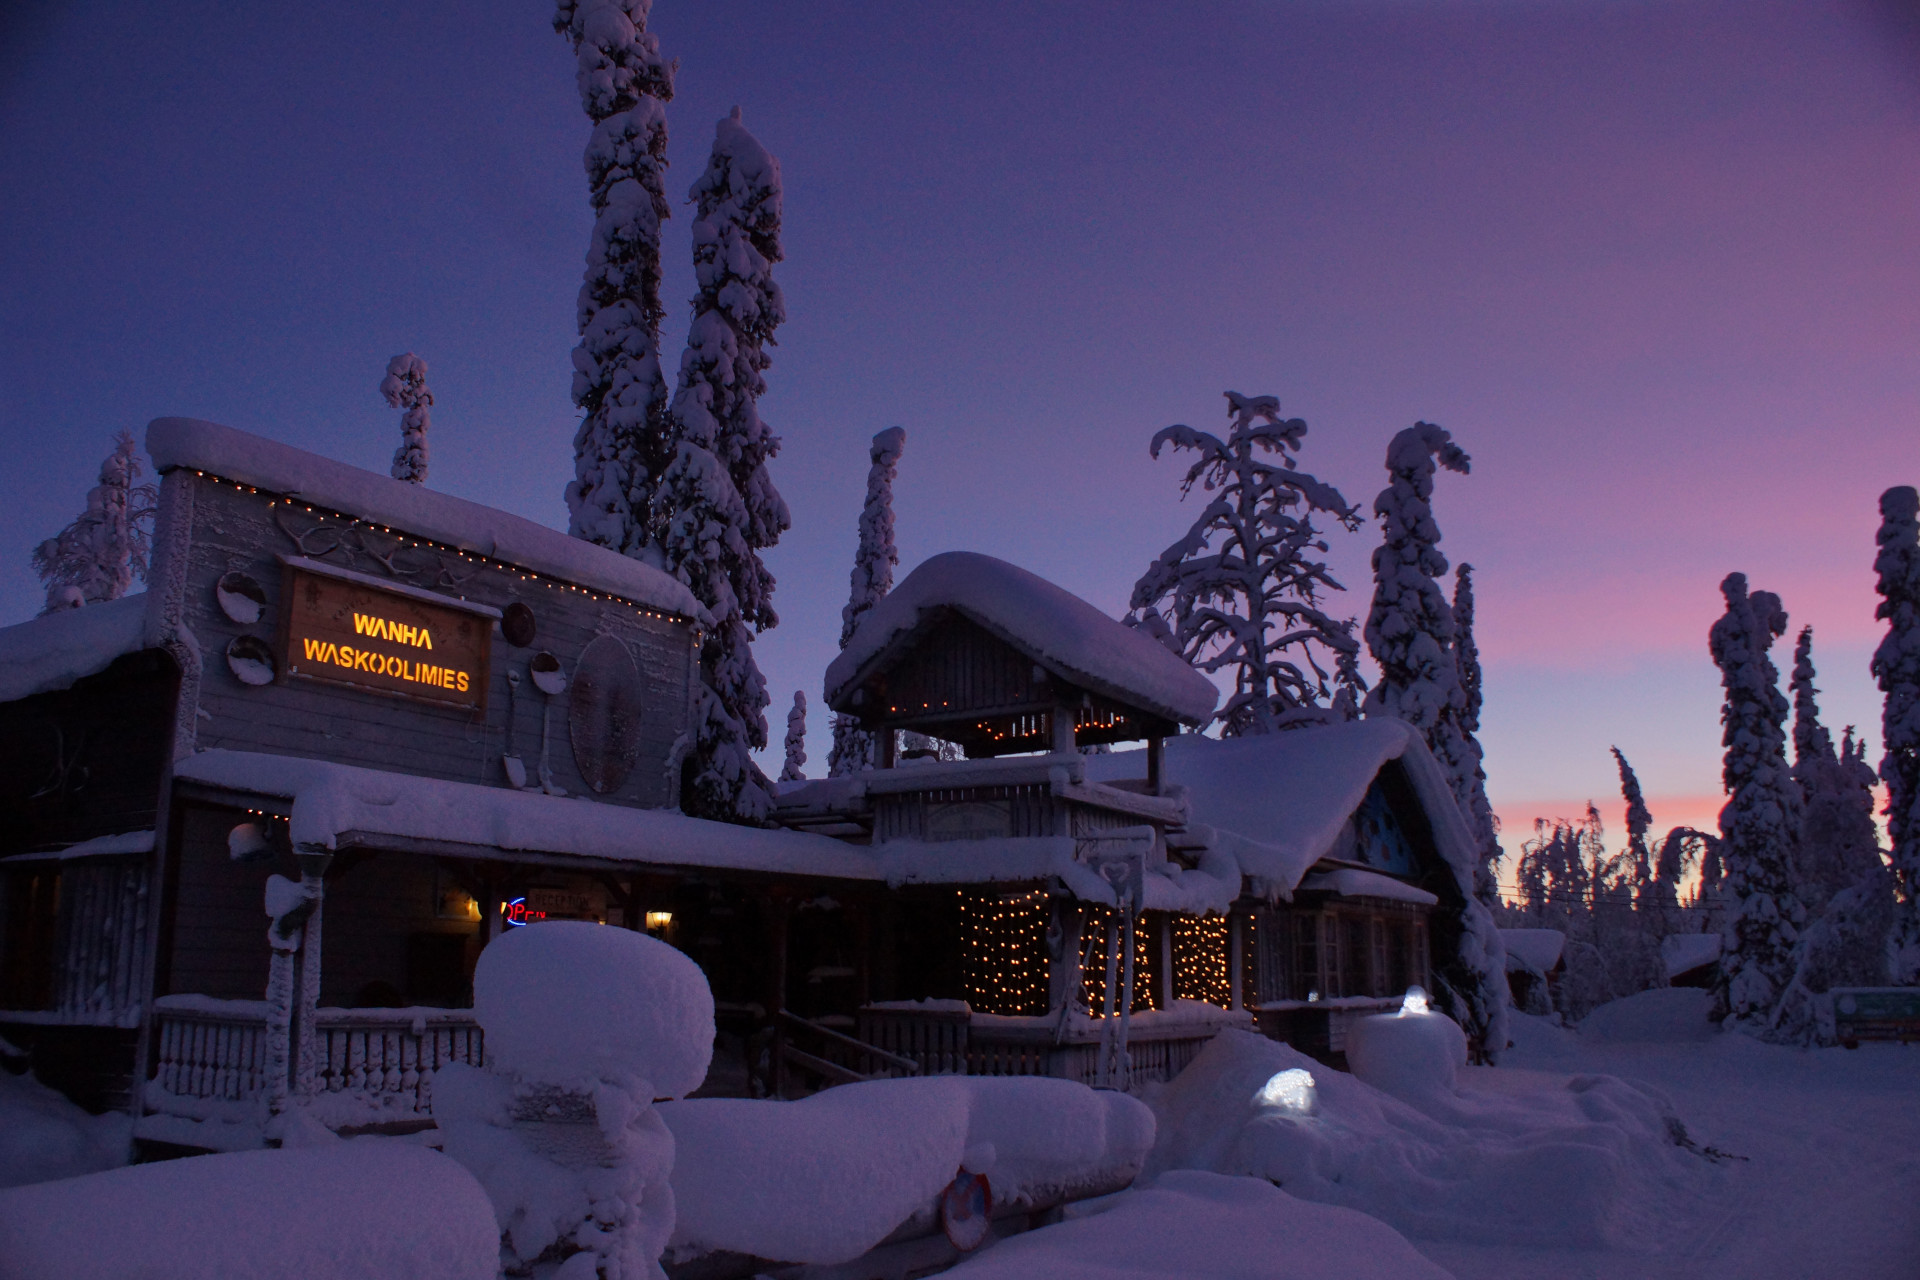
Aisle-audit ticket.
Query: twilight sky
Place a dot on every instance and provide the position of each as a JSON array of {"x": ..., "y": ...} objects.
[{"x": 1656, "y": 266}]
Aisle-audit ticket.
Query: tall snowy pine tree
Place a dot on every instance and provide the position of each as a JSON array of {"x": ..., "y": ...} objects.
[
  {"x": 405, "y": 387},
  {"x": 1242, "y": 589},
  {"x": 794, "y": 768},
  {"x": 1639, "y": 819},
  {"x": 621, "y": 447},
  {"x": 1410, "y": 631},
  {"x": 874, "y": 559},
  {"x": 98, "y": 556},
  {"x": 1760, "y": 823},
  {"x": 1896, "y": 666},
  {"x": 1478, "y": 811},
  {"x": 717, "y": 503}
]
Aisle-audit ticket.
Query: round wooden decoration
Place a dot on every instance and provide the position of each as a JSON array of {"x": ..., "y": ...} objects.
[
  {"x": 516, "y": 624},
  {"x": 240, "y": 597},
  {"x": 604, "y": 714},
  {"x": 251, "y": 661},
  {"x": 966, "y": 1211}
]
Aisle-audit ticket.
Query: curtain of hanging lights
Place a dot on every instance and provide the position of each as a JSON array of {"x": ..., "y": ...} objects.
[
  {"x": 1200, "y": 960},
  {"x": 1093, "y": 985},
  {"x": 1003, "y": 951}
]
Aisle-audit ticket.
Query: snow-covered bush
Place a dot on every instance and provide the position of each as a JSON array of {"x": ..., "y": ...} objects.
[
  {"x": 1241, "y": 590},
  {"x": 874, "y": 559},
  {"x": 1760, "y": 823},
  {"x": 586, "y": 1025},
  {"x": 98, "y": 556},
  {"x": 619, "y": 451},
  {"x": 405, "y": 387},
  {"x": 345, "y": 1211},
  {"x": 794, "y": 768},
  {"x": 1896, "y": 666},
  {"x": 717, "y": 505}
]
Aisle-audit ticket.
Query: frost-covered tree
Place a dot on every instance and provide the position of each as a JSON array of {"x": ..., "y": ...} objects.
[
  {"x": 1760, "y": 823},
  {"x": 874, "y": 559},
  {"x": 98, "y": 556},
  {"x": 717, "y": 505},
  {"x": 1896, "y": 666},
  {"x": 621, "y": 447},
  {"x": 1639, "y": 819},
  {"x": 405, "y": 387},
  {"x": 1410, "y": 632},
  {"x": 1479, "y": 812},
  {"x": 1838, "y": 843},
  {"x": 794, "y": 769},
  {"x": 1241, "y": 590}
]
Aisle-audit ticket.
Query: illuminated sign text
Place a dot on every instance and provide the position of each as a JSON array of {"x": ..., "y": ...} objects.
[{"x": 347, "y": 630}]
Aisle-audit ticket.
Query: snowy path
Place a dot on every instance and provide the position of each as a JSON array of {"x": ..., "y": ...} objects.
[{"x": 1830, "y": 1186}]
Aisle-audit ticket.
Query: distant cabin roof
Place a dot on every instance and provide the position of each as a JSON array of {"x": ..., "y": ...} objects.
[
  {"x": 281, "y": 468},
  {"x": 1057, "y": 628},
  {"x": 54, "y": 651}
]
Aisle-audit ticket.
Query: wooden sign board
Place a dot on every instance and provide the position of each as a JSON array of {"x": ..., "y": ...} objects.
[{"x": 345, "y": 628}]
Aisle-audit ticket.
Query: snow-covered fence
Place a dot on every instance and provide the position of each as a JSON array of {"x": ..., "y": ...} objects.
[
  {"x": 373, "y": 1065},
  {"x": 956, "y": 1041}
]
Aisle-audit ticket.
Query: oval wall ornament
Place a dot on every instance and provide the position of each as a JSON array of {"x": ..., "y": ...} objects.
[{"x": 604, "y": 714}]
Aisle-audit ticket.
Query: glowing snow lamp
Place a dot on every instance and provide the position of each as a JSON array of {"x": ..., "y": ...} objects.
[
  {"x": 1289, "y": 1090},
  {"x": 1416, "y": 1001}
]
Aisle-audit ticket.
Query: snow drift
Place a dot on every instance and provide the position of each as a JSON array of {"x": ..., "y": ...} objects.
[
  {"x": 1511, "y": 1156},
  {"x": 369, "y": 1207}
]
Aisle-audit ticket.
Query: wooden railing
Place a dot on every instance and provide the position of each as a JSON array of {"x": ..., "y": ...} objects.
[
  {"x": 840, "y": 1058},
  {"x": 370, "y": 1065},
  {"x": 954, "y": 1041}
]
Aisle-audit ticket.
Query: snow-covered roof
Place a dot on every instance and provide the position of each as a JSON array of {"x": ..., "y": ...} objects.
[
  {"x": 114, "y": 846},
  {"x": 1535, "y": 949},
  {"x": 54, "y": 651},
  {"x": 332, "y": 800},
  {"x": 456, "y": 522},
  {"x": 1278, "y": 802},
  {"x": 1058, "y": 628},
  {"x": 1352, "y": 882},
  {"x": 1212, "y": 886},
  {"x": 1686, "y": 951}
]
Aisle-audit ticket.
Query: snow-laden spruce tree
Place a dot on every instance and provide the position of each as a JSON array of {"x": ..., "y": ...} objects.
[
  {"x": 1896, "y": 666},
  {"x": 874, "y": 559},
  {"x": 1760, "y": 823},
  {"x": 717, "y": 505},
  {"x": 1241, "y": 590},
  {"x": 794, "y": 768},
  {"x": 1639, "y": 820},
  {"x": 405, "y": 387},
  {"x": 620, "y": 448},
  {"x": 1838, "y": 843},
  {"x": 1478, "y": 811},
  {"x": 1410, "y": 632},
  {"x": 98, "y": 556}
]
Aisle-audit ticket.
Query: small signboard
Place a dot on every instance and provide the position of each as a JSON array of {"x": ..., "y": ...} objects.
[
  {"x": 1875, "y": 1013},
  {"x": 345, "y": 628},
  {"x": 969, "y": 820}
]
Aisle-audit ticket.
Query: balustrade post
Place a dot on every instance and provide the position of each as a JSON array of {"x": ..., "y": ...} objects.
[{"x": 313, "y": 871}]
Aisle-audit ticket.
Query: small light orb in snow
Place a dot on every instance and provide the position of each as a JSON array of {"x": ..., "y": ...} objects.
[
  {"x": 1313, "y": 997},
  {"x": 1289, "y": 1090},
  {"x": 1416, "y": 1001}
]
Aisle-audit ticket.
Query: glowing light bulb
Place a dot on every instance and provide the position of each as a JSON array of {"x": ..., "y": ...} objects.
[
  {"x": 1415, "y": 1002},
  {"x": 1290, "y": 1090}
]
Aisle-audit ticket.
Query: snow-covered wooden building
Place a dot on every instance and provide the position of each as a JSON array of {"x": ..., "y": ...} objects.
[{"x": 260, "y": 820}]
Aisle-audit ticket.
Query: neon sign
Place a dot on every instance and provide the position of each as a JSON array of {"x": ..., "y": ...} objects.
[{"x": 518, "y": 913}]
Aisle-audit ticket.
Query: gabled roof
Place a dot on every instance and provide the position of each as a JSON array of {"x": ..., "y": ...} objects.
[
  {"x": 456, "y": 522},
  {"x": 1278, "y": 802},
  {"x": 54, "y": 651},
  {"x": 1054, "y": 627}
]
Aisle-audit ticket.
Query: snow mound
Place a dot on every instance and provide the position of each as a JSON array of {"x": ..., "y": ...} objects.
[
  {"x": 1409, "y": 1055},
  {"x": 1052, "y": 624},
  {"x": 1663, "y": 1014},
  {"x": 1511, "y": 1157},
  {"x": 571, "y": 1003},
  {"x": 43, "y": 1136},
  {"x": 1201, "y": 1224},
  {"x": 827, "y": 1178},
  {"x": 369, "y": 1207}
]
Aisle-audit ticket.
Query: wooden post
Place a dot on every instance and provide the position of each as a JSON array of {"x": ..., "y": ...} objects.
[
  {"x": 889, "y": 743},
  {"x": 313, "y": 875},
  {"x": 779, "y": 911},
  {"x": 1156, "y": 764},
  {"x": 1166, "y": 983},
  {"x": 1063, "y": 738}
]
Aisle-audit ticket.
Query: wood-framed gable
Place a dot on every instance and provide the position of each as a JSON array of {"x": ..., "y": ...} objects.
[{"x": 958, "y": 677}]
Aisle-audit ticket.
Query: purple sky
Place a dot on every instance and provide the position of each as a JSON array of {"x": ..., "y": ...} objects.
[{"x": 1657, "y": 267}]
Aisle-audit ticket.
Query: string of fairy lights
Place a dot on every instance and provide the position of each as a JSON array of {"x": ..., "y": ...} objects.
[
  {"x": 1098, "y": 923},
  {"x": 471, "y": 557},
  {"x": 1003, "y": 952},
  {"x": 1200, "y": 965}
]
